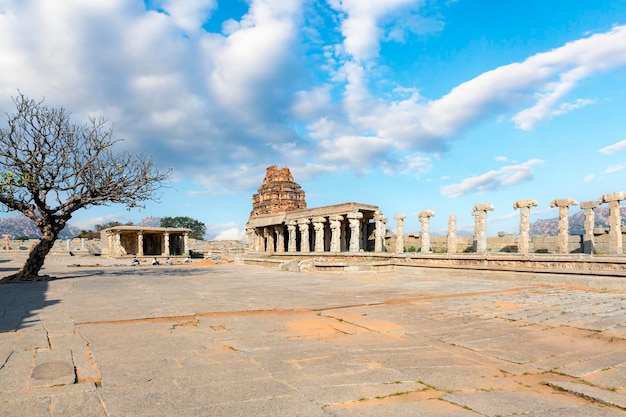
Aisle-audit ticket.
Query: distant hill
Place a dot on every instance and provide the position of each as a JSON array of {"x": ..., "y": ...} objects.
[
  {"x": 19, "y": 225},
  {"x": 550, "y": 227}
]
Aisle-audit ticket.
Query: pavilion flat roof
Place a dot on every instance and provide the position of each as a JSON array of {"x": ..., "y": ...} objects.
[{"x": 323, "y": 211}]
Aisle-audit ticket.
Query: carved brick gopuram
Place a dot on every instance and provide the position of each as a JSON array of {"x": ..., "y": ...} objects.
[{"x": 279, "y": 193}]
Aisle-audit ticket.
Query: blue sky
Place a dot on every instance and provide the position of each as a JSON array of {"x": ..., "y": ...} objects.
[{"x": 406, "y": 104}]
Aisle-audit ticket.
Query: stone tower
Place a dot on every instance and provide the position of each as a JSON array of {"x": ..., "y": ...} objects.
[{"x": 278, "y": 193}]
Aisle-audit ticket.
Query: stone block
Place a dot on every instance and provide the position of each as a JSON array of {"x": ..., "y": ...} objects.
[{"x": 52, "y": 368}]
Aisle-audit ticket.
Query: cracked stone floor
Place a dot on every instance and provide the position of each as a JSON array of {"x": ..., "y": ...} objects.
[{"x": 231, "y": 340}]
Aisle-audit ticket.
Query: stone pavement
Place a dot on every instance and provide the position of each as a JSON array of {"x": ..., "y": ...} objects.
[{"x": 232, "y": 340}]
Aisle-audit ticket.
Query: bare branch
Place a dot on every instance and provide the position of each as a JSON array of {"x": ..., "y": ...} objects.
[{"x": 51, "y": 167}]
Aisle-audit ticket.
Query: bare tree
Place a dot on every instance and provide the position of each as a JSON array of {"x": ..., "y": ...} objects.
[{"x": 50, "y": 168}]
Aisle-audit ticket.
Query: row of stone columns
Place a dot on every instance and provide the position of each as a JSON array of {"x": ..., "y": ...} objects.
[
  {"x": 480, "y": 226},
  {"x": 615, "y": 222},
  {"x": 115, "y": 244},
  {"x": 274, "y": 236}
]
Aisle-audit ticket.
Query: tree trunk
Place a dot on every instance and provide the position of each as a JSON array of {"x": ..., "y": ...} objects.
[{"x": 34, "y": 263}]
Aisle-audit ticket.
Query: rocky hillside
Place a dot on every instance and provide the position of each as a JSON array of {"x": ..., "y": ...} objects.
[
  {"x": 550, "y": 227},
  {"x": 18, "y": 226}
]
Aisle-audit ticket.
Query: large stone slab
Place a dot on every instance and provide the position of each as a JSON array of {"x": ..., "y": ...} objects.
[
  {"x": 52, "y": 368},
  {"x": 595, "y": 393},
  {"x": 502, "y": 404}
]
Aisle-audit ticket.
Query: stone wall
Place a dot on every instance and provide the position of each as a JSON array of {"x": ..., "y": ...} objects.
[{"x": 91, "y": 247}]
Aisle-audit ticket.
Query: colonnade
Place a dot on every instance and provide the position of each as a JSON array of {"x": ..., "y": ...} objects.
[
  {"x": 123, "y": 240},
  {"x": 348, "y": 232},
  {"x": 480, "y": 226}
]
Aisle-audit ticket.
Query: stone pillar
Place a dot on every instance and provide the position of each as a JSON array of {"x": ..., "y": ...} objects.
[
  {"x": 343, "y": 237},
  {"x": 166, "y": 245},
  {"x": 305, "y": 245},
  {"x": 185, "y": 244},
  {"x": 6, "y": 242},
  {"x": 111, "y": 241},
  {"x": 291, "y": 231},
  {"x": 140, "y": 243},
  {"x": 379, "y": 231},
  {"x": 335, "y": 233},
  {"x": 249, "y": 237},
  {"x": 354, "y": 220},
  {"x": 399, "y": 231},
  {"x": 318, "y": 226},
  {"x": 563, "y": 204},
  {"x": 117, "y": 244},
  {"x": 280, "y": 238},
  {"x": 268, "y": 240},
  {"x": 523, "y": 245},
  {"x": 424, "y": 218},
  {"x": 263, "y": 240},
  {"x": 480, "y": 226},
  {"x": 589, "y": 208},
  {"x": 452, "y": 241},
  {"x": 615, "y": 221}
]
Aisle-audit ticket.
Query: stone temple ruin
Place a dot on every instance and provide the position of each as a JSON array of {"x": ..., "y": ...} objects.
[{"x": 280, "y": 225}]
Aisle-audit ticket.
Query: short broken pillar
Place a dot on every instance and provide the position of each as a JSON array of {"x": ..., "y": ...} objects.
[
  {"x": 291, "y": 231},
  {"x": 424, "y": 218},
  {"x": 452, "y": 241},
  {"x": 318, "y": 226},
  {"x": 480, "y": 226},
  {"x": 563, "y": 204},
  {"x": 335, "y": 233},
  {"x": 305, "y": 245},
  {"x": 523, "y": 245},
  {"x": 589, "y": 208},
  {"x": 615, "y": 221},
  {"x": 379, "y": 231},
  {"x": 399, "y": 231},
  {"x": 354, "y": 221}
]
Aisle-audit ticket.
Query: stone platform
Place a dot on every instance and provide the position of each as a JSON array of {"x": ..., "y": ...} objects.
[{"x": 106, "y": 339}]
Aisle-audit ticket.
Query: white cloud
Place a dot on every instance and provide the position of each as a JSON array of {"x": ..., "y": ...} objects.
[
  {"x": 492, "y": 180},
  {"x": 412, "y": 123},
  {"x": 231, "y": 234},
  {"x": 589, "y": 178},
  {"x": 616, "y": 147},
  {"x": 90, "y": 223},
  {"x": 189, "y": 15},
  {"x": 615, "y": 168},
  {"x": 207, "y": 102},
  {"x": 225, "y": 231},
  {"x": 312, "y": 104},
  {"x": 367, "y": 22},
  {"x": 357, "y": 152}
]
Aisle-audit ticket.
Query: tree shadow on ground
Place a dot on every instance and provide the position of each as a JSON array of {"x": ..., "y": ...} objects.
[
  {"x": 178, "y": 272},
  {"x": 20, "y": 303}
]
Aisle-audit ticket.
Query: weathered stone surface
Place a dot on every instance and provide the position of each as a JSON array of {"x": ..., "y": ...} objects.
[
  {"x": 52, "y": 368},
  {"x": 523, "y": 203},
  {"x": 588, "y": 391},
  {"x": 240, "y": 341},
  {"x": 278, "y": 193},
  {"x": 618, "y": 196},
  {"x": 563, "y": 202}
]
